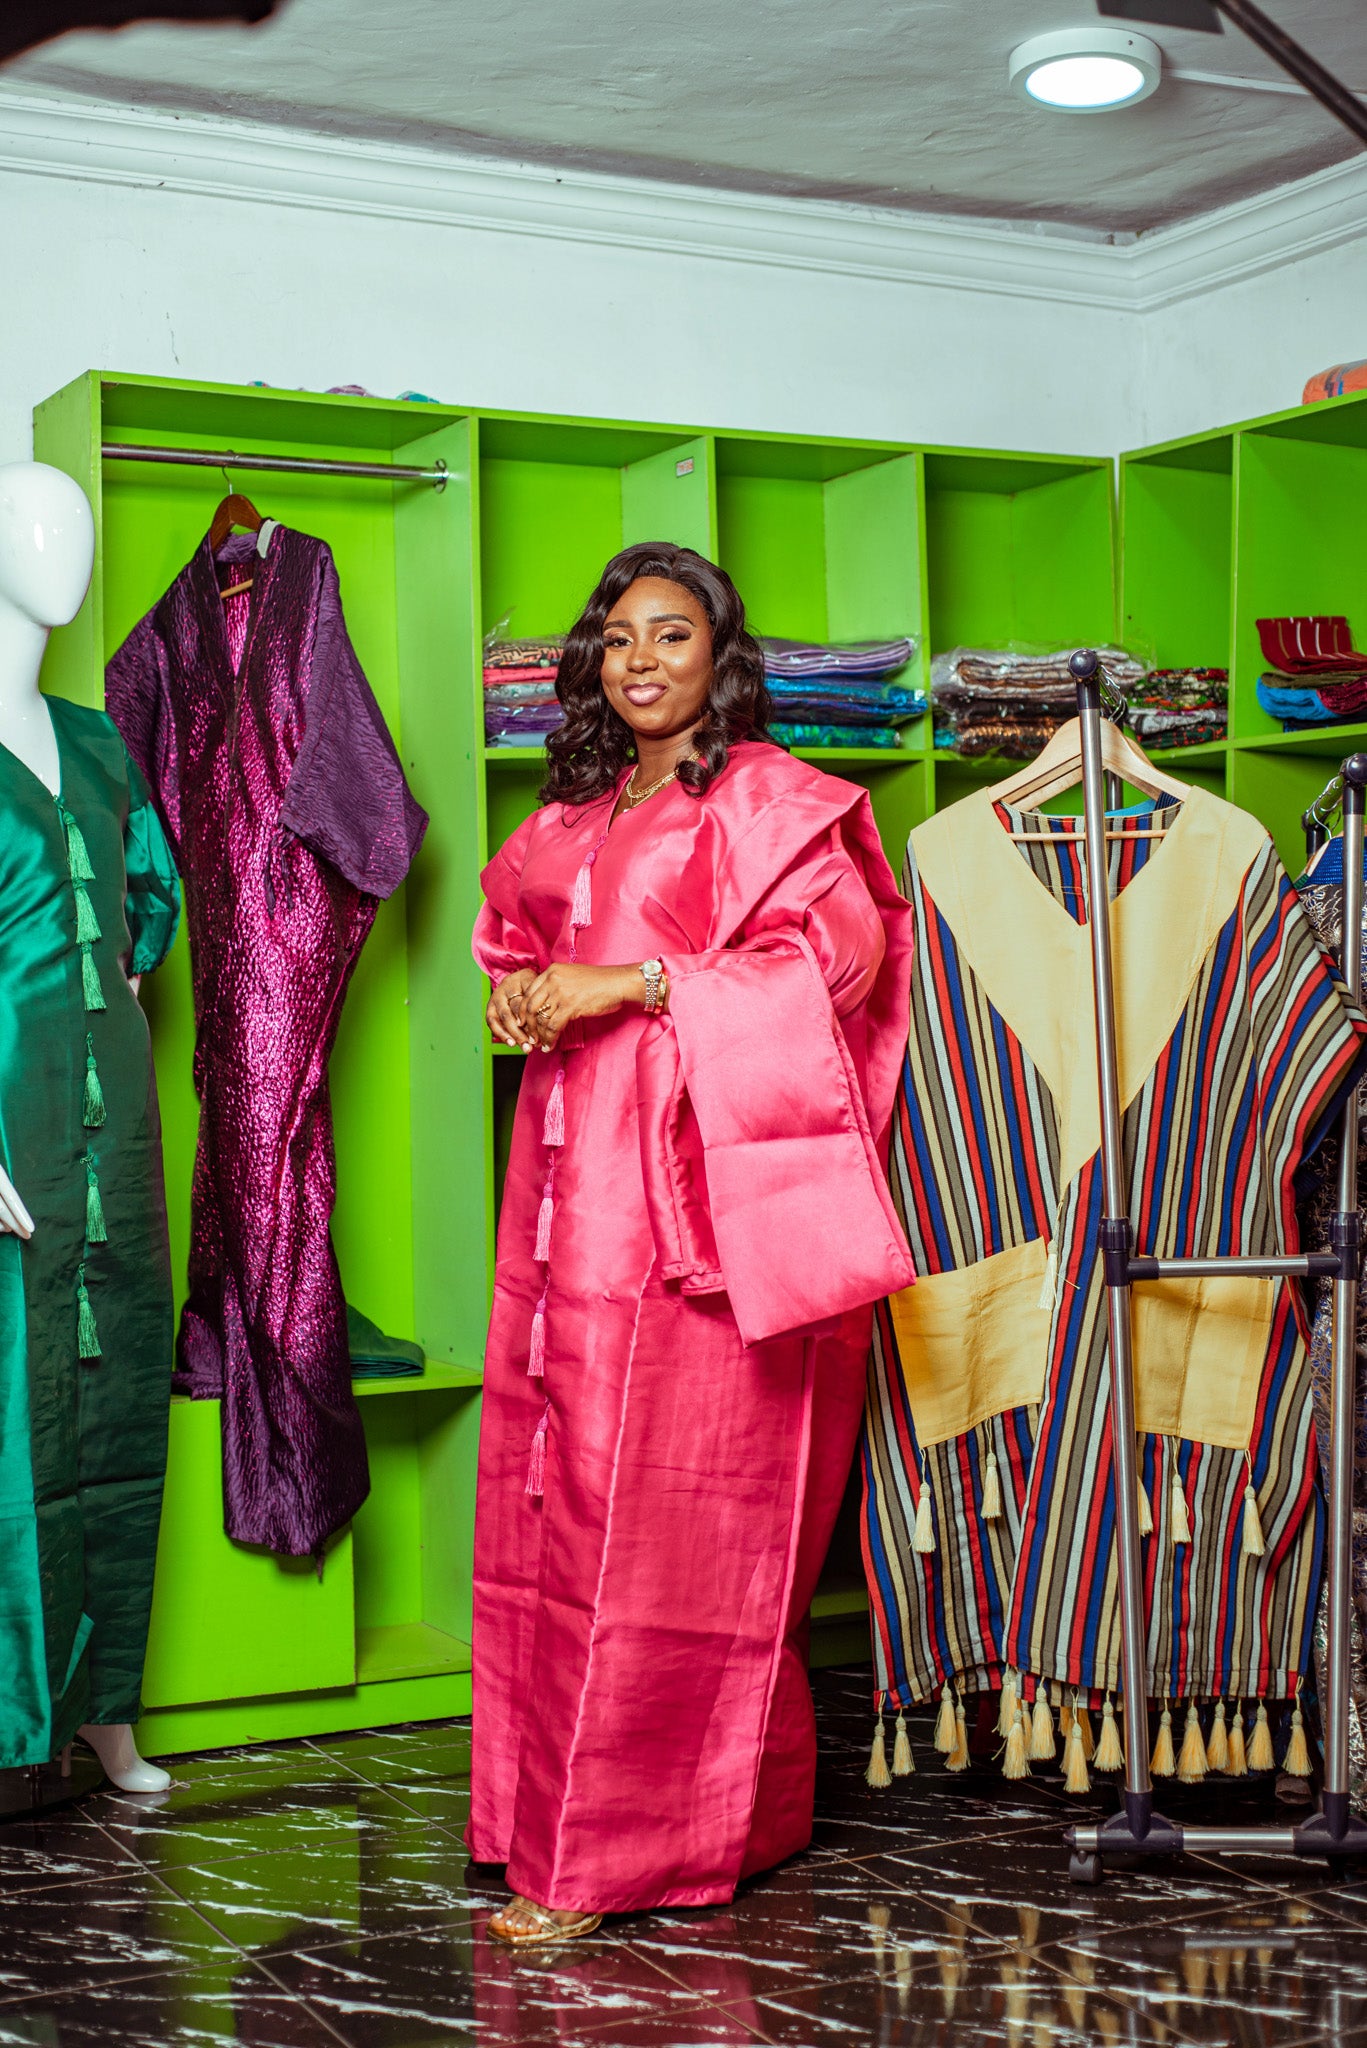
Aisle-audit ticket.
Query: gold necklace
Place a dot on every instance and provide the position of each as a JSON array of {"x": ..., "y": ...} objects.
[{"x": 631, "y": 796}]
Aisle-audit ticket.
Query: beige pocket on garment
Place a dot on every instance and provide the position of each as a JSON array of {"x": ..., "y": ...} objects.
[
  {"x": 1199, "y": 1351},
  {"x": 973, "y": 1343}
]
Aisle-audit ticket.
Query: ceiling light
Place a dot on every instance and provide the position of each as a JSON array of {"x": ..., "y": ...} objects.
[{"x": 1085, "y": 70}]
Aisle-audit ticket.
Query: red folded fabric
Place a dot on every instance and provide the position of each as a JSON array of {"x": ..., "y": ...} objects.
[{"x": 1309, "y": 647}]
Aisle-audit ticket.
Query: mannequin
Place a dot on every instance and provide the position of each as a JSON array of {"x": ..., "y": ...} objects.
[{"x": 47, "y": 551}]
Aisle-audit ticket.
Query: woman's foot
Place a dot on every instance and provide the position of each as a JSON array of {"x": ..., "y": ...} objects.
[{"x": 522, "y": 1922}]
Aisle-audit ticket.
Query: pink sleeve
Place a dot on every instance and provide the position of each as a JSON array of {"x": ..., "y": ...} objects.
[
  {"x": 799, "y": 1225},
  {"x": 500, "y": 943}
]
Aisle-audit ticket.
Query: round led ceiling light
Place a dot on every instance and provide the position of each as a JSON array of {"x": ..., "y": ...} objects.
[{"x": 1086, "y": 70}]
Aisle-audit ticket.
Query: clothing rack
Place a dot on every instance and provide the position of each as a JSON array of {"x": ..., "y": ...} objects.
[
  {"x": 1138, "y": 1830},
  {"x": 289, "y": 465},
  {"x": 1318, "y": 817}
]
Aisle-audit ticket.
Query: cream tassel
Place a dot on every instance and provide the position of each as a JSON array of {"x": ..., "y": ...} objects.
[
  {"x": 878, "y": 1774},
  {"x": 1260, "y": 1756},
  {"x": 1297, "y": 1759},
  {"x": 1043, "y": 1748},
  {"x": 1076, "y": 1778},
  {"x": 1145, "y": 1509},
  {"x": 1084, "y": 1722},
  {"x": 1181, "y": 1520},
  {"x": 944, "y": 1721},
  {"x": 1007, "y": 1707},
  {"x": 1065, "y": 1718},
  {"x": 1109, "y": 1754},
  {"x": 1217, "y": 1749},
  {"x": 1016, "y": 1763},
  {"x": 1191, "y": 1761},
  {"x": 903, "y": 1763},
  {"x": 992, "y": 1491},
  {"x": 1162, "y": 1763},
  {"x": 1237, "y": 1767},
  {"x": 923, "y": 1537},
  {"x": 957, "y": 1760},
  {"x": 1254, "y": 1545}
]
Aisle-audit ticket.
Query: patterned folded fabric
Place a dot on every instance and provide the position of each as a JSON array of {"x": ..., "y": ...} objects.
[
  {"x": 866, "y": 701},
  {"x": 851, "y": 658},
  {"x": 543, "y": 653},
  {"x": 836, "y": 735},
  {"x": 1320, "y": 645},
  {"x": 967, "y": 672}
]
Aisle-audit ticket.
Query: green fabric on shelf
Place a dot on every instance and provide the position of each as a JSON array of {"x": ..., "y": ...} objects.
[
  {"x": 82, "y": 1439},
  {"x": 374, "y": 1356}
]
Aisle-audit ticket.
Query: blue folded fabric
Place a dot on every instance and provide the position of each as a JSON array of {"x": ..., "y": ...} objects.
[{"x": 1295, "y": 707}]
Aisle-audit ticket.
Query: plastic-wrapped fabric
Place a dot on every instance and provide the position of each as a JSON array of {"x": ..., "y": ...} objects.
[
  {"x": 844, "y": 659},
  {"x": 817, "y": 735},
  {"x": 826, "y": 699},
  {"x": 541, "y": 653}
]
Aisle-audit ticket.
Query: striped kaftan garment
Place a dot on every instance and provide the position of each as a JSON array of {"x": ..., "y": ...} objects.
[{"x": 1236, "y": 1041}]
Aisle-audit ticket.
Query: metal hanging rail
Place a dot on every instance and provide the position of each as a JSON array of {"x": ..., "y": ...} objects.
[
  {"x": 288, "y": 465},
  {"x": 1138, "y": 1830}
]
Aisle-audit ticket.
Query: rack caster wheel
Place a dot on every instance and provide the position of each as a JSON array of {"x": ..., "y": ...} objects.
[{"x": 1084, "y": 1868}]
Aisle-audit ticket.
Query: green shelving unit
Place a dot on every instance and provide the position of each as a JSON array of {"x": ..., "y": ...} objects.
[
  {"x": 1219, "y": 530},
  {"x": 826, "y": 538}
]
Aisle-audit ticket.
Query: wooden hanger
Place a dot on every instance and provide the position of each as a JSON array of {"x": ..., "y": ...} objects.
[
  {"x": 1059, "y": 767},
  {"x": 234, "y": 510}
]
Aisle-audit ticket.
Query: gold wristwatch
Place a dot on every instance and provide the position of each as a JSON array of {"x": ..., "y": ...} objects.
[{"x": 654, "y": 972}]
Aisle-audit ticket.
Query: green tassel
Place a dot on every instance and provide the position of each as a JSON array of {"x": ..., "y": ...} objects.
[
  {"x": 95, "y": 1232},
  {"x": 87, "y": 924},
  {"x": 87, "y": 1331},
  {"x": 92, "y": 1112},
  {"x": 90, "y": 981},
  {"x": 78, "y": 860}
]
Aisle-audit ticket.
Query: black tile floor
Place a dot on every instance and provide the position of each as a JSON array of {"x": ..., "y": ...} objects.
[{"x": 316, "y": 1893}]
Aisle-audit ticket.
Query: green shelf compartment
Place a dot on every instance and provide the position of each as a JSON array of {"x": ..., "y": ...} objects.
[
  {"x": 1177, "y": 539},
  {"x": 1302, "y": 537}
]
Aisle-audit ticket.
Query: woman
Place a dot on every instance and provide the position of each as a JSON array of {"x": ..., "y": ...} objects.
[{"x": 698, "y": 942}]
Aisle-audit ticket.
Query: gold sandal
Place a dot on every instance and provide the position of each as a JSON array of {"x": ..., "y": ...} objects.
[{"x": 545, "y": 1927}]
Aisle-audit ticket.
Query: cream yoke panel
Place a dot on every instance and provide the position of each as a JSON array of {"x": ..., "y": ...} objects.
[{"x": 1033, "y": 960}]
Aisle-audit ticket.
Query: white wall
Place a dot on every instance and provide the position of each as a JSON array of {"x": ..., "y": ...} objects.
[{"x": 171, "y": 284}]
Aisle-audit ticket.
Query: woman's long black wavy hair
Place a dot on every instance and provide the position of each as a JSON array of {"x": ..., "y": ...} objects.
[{"x": 591, "y": 748}]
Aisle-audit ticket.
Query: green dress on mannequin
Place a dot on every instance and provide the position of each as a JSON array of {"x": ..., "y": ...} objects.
[{"x": 88, "y": 896}]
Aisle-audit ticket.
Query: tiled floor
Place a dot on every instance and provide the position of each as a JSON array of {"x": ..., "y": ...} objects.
[{"x": 316, "y": 1893}]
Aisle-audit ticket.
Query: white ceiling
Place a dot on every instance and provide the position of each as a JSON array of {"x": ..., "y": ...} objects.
[{"x": 899, "y": 103}]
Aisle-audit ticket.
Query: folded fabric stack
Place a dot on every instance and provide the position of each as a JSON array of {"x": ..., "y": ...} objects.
[
  {"x": 520, "y": 704},
  {"x": 840, "y": 696},
  {"x": 993, "y": 701},
  {"x": 1179, "y": 707},
  {"x": 1316, "y": 677}
]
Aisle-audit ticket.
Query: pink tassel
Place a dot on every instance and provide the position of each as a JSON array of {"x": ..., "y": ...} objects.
[
  {"x": 553, "y": 1130},
  {"x": 542, "y": 1250},
  {"x": 581, "y": 907},
  {"x": 536, "y": 1364},
  {"x": 536, "y": 1464}
]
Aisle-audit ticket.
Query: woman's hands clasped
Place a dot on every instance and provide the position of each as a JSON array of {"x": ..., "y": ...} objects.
[{"x": 531, "y": 1010}]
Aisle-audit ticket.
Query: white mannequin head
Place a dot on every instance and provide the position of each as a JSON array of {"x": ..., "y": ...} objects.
[{"x": 47, "y": 543}]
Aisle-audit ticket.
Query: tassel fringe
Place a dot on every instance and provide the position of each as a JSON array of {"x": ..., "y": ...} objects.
[
  {"x": 1077, "y": 1778},
  {"x": 536, "y": 1463},
  {"x": 95, "y": 1232},
  {"x": 553, "y": 1130},
  {"x": 1163, "y": 1762},
  {"x": 878, "y": 1775},
  {"x": 1181, "y": 1520},
  {"x": 1237, "y": 1767},
  {"x": 1260, "y": 1755},
  {"x": 1297, "y": 1759},
  {"x": 903, "y": 1762},
  {"x": 581, "y": 903},
  {"x": 92, "y": 993},
  {"x": 944, "y": 1722},
  {"x": 1084, "y": 1722},
  {"x": 1191, "y": 1760},
  {"x": 1043, "y": 1748},
  {"x": 1065, "y": 1722},
  {"x": 1016, "y": 1762},
  {"x": 1217, "y": 1749},
  {"x": 87, "y": 924},
  {"x": 923, "y": 1536},
  {"x": 992, "y": 1490},
  {"x": 77, "y": 859},
  {"x": 536, "y": 1360},
  {"x": 542, "y": 1249},
  {"x": 1253, "y": 1544},
  {"x": 1006, "y": 1711},
  {"x": 957, "y": 1760},
  {"x": 1145, "y": 1511},
  {"x": 87, "y": 1331},
  {"x": 92, "y": 1108},
  {"x": 1110, "y": 1756}
]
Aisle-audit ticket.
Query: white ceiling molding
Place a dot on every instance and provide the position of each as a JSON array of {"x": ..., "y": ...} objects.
[{"x": 104, "y": 144}]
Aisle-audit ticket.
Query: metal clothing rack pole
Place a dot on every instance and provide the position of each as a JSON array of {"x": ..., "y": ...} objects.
[
  {"x": 288, "y": 465},
  {"x": 1138, "y": 1830}
]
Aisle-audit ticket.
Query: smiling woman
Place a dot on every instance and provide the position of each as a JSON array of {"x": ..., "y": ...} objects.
[{"x": 704, "y": 936}]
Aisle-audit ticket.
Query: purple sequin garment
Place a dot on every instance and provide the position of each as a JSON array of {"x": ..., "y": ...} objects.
[{"x": 287, "y": 808}]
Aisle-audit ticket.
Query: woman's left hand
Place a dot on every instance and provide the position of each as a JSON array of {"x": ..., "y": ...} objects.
[{"x": 568, "y": 990}]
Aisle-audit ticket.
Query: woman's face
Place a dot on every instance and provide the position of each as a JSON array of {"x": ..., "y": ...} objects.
[{"x": 657, "y": 658}]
